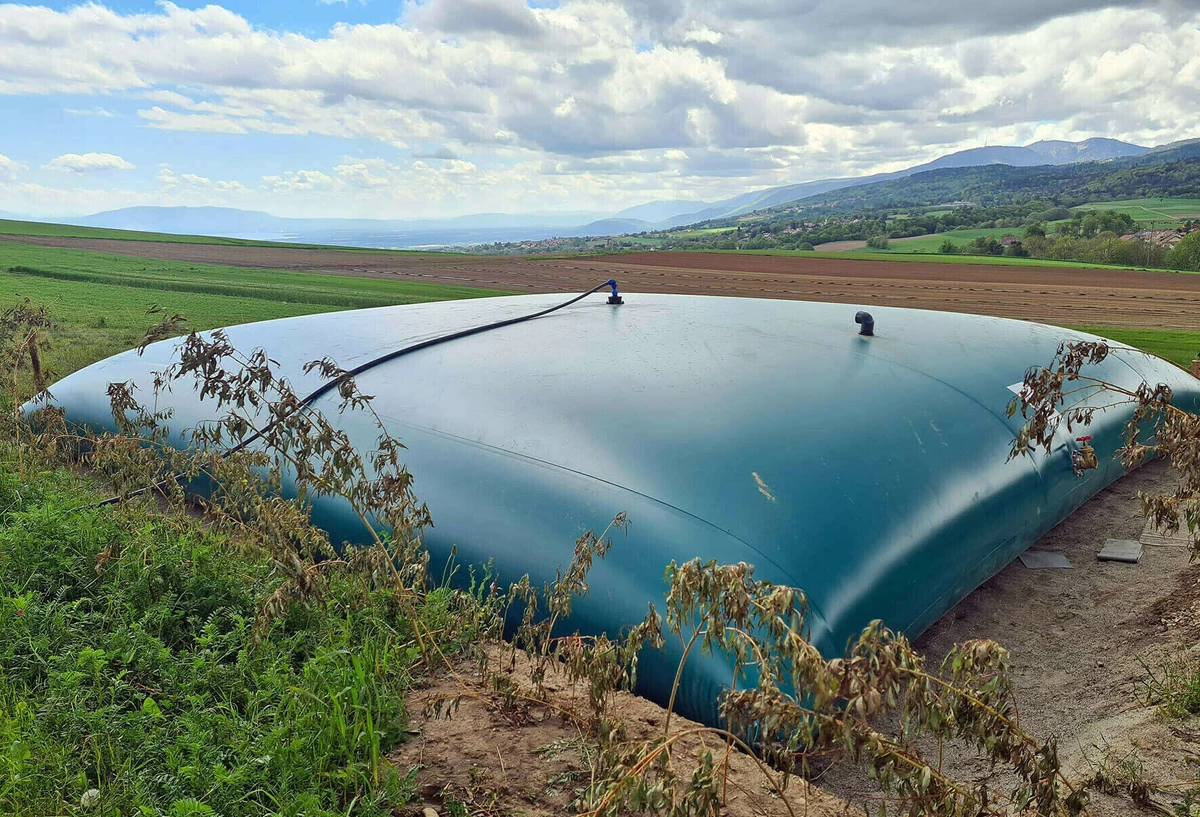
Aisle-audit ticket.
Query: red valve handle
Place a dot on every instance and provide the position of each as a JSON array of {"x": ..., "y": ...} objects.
[{"x": 1083, "y": 439}]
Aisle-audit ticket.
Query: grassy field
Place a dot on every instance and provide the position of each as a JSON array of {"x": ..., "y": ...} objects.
[
  {"x": 100, "y": 301},
  {"x": 1181, "y": 348},
  {"x": 936, "y": 258},
  {"x": 930, "y": 243},
  {"x": 960, "y": 238},
  {"x": 708, "y": 231},
  {"x": 47, "y": 230},
  {"x": 1160, "y": 213},
  {"x": 135, "y": 683}
]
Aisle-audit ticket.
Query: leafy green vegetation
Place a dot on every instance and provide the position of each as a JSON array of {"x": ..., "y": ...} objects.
[
  {"x": 959, "y": 238},
  {"x": 156, "y": 663},
  {"x": 1094, "y": 237},
  {"x": 1041, "y": 232},
  {"x": 100, "y": 301},
  {"x": 134, "y": 682},
  {"x": 994, "y": 185},
  {"x": 1174, "y": 687}
]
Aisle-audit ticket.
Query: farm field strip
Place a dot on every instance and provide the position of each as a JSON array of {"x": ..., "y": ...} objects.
[
  {"x": 850, "y": 253},
  {"x": 38, "y": 229},
  {"x": 921, "y": 243},
  {"x": 216, "y": 279},
  {"x": 101, "y": 302},
  {"x": 382, "y": 262},
  {"x": 1063, "y": 295},
  {"x": 1151, "y": 209}
]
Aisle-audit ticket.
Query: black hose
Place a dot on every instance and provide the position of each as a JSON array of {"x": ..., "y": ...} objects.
[
  {"x": 330, "y": 385},
  {"x": 425, "y": 344}
]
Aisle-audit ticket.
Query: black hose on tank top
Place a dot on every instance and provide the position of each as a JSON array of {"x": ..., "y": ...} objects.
[{"x": 330, "y": 385}]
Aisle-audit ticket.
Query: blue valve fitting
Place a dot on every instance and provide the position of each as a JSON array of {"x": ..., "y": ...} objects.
[{"x": 615, "y": 299}]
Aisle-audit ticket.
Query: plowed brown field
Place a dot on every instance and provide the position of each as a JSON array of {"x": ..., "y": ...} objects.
[{"x": 1067, "y": 296}]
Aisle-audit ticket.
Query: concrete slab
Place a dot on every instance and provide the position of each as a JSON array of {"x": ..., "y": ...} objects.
[
  {"x": 1045, "y": 560},
  {"x": 1121, "y": 550},
  {"x": 1153, "y": 537}
]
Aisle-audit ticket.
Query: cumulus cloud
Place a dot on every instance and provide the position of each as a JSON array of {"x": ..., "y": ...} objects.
[
  {"x": 512, "y": 18},
  {"x": 170, "y": 181},
  {"x": 87, "y": 163},
  {"x": 598, "y": 100},
  {"x": 298, "y": 181},
  {"x": 9, "y": 168}
]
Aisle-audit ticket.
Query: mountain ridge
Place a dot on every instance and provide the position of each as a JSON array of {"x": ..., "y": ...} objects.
[{"x": 654, "y": 215}]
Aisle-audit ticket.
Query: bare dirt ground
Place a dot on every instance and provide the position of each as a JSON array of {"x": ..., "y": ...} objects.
[
  {"x": 530, "y": 760},
  {"x": 1057, "y": 295}
]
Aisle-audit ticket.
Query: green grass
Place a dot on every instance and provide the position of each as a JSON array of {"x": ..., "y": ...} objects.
[
  {"x": 930, "y": 243},
  {"x": 1179, "y": 347},
  {"x": 641, "y": 240},
  {"x": 708, "y": 231},
  {"x": 1165, "y": 213},
  {"x": 48, "y": 230},
  {"x": 100, "y": 301},
  {"x": 960, "y": 238},
  {"x": 937, "y": 258},
  {"x": 133, "y": 682}
]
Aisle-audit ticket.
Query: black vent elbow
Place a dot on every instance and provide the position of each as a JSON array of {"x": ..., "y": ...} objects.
[{"x": 865, "y": 322}]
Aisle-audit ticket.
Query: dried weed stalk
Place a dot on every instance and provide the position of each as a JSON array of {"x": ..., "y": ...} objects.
[
  {"x": 264, "y": 461},
  {"x": 1063, "y": 392}
]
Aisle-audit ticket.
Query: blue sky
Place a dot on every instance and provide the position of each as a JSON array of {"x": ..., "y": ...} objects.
[
  {"x": 445, "y": 107},
  {"x": 313, "y": 17}
]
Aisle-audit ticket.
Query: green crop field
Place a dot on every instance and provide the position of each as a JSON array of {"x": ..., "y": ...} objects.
[
  {"x": 930, "y": 243},
  {"x": 1181, "y": 348},
  {"x": 708, "y": 231},
  {"x": 1164, "y": 213},
  {"x": 100, "y": 301},
  {"x": 960, "y": 238},
  {"x": 936, "y": 258},
  {"x": 47, "y": 230}
]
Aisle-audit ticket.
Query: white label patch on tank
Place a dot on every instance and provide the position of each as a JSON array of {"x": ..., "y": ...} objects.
[{"x": 1022, "y": 391}]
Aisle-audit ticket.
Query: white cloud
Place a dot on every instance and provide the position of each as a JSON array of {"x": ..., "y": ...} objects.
[
  {"x": 703, "y": 35},
  {"x": 103, "y": 113},
  {"x": 87, "y": 163},
  {"x": 565, "y": 107},
  {"x": 363, "y": 174},
  {"x": 191, "y": 182},
  {"x": 9, "y": 168},
  {"x": 298, "y": 181},
  {"x": 605, "y": 102}
]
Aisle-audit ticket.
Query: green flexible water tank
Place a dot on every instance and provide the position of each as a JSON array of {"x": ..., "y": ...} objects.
[{"x": 870, "y": 472}]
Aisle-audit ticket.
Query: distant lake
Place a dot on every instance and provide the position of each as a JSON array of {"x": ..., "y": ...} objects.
[{"x": 409, "y": 239}]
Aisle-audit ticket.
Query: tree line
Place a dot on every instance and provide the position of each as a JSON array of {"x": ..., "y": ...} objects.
[{"x": 1093, "y": 238}]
